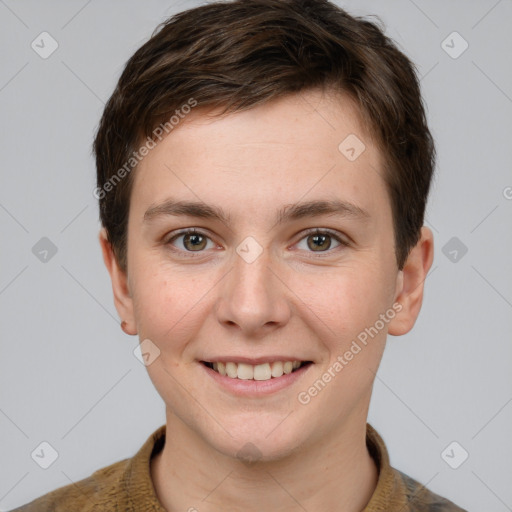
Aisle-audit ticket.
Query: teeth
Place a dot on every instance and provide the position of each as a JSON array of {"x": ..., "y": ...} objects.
[
  {"x": 264, "y": 371},
  {"x": 288, "y": 367},
  {"x": 245, "y": 371},
  {"x": 221, "y": 368},
  {"x": 231, "y": 370},
  {"x": 277, "y": 369}
]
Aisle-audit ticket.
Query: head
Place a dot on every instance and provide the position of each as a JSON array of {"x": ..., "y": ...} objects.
[{"x": 251, "y": 109}]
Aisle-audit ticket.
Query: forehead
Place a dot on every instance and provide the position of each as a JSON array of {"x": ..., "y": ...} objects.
[{"x": 297, "y": 147}]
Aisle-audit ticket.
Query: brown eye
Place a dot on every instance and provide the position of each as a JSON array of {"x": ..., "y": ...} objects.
[
  {"x": 191, "y": 241},
  {"x": 319, "y": 242},
  {"x": 194, "y": 241}
]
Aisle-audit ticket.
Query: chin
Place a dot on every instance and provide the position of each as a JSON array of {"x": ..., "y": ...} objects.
[{"x": 251, "y": 445}]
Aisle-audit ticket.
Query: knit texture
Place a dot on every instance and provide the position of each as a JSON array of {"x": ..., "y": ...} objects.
[{"x": 126, "y": 486}]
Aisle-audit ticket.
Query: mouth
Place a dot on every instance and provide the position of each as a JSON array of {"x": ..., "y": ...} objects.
[{"x": 257, "y": 372}]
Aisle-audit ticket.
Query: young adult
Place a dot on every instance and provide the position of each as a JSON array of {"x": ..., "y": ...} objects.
[{"x": 263, "y": 168}]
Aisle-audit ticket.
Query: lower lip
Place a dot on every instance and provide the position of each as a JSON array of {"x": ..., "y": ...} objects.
[{"x": 243, "y": 387}]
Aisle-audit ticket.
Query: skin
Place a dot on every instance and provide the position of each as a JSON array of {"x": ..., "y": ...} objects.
[{"x": 293, "y": 299}]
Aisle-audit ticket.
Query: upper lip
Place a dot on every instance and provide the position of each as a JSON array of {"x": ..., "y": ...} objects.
[{"x": 253, "y": 360}]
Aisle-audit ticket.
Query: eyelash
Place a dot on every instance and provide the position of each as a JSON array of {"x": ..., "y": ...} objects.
[{"x": 307, "y": 233}]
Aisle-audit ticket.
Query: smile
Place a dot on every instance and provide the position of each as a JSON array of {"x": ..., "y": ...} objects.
[{"x": 261, "y": 372}]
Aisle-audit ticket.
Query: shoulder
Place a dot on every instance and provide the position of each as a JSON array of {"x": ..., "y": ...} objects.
[
  {"x": 121, "y": 486},
  {"x": 98, "y": 492},
  {"x": 396, "y": 490},
  {"x": 421, "y": 499}
]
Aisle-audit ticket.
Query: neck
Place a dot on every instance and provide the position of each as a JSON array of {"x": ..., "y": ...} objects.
[{"x": 335, "y": 474}]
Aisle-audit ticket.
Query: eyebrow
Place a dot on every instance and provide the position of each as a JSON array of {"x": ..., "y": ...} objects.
[{"x": 287, "y": 213}]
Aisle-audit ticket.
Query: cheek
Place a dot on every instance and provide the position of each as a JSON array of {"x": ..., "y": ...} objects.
[
  {"x": 346, "y": 300},
  {"x": 168, "y": 308}
]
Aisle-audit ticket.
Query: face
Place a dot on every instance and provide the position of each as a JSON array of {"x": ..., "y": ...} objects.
[{"x": 255, "y": 245}]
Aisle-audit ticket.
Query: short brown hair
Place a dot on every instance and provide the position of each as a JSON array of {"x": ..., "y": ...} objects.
[{"x": 241, "y": 54}]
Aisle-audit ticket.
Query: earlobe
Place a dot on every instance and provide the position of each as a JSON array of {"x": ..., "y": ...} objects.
[
  {"x": 122, "y": 296},
  {"x": 410, "y": 284}
]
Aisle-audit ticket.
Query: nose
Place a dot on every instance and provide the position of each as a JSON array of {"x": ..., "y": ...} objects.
[{"x": 253, "y": 298}]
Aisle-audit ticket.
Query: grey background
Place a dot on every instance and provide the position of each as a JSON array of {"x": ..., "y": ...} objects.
[{"x": 68, "y": 375}]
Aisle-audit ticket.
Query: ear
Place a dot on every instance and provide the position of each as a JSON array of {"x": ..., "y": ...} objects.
[
  {"x": 410, "y": 283},
  {"x": 122, "y": 297}
]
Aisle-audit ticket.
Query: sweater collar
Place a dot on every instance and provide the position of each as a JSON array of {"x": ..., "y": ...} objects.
[{"x": 390, "y": 493}]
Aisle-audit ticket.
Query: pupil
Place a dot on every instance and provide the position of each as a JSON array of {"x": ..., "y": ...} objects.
[
  {"x": 319, "y": 241},
  {"x": 195, "y": 240}
]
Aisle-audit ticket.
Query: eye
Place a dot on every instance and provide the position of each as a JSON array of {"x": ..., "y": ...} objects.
[
  {"x": 192, "y": 241},
  {"x": 318, "y": 240}
]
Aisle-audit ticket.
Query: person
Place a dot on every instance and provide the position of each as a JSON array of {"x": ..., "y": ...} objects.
[{"x": 263, "y": 168}]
